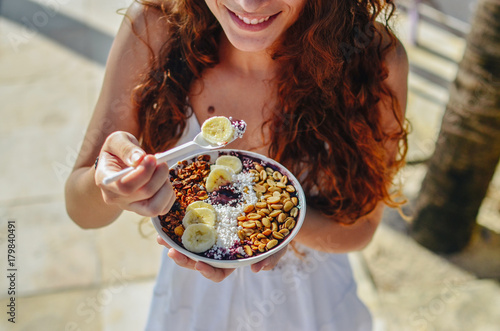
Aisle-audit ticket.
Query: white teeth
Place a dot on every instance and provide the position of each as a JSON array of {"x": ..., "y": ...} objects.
[{"x": 253, "y": 21}]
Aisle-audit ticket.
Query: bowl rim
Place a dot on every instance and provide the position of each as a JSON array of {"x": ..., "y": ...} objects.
[{"x": 247, "y": 260}]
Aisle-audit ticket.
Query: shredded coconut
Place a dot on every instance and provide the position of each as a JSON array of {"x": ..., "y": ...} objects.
[{"x": 226, "y": 224}]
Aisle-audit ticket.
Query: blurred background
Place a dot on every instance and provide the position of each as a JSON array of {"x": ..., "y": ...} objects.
[{"x": 52, "y": 58}]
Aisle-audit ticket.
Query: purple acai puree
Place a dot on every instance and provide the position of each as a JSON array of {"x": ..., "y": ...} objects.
[
  {"x": 226, "y": 195},
  {"x": 239, "y": 127},
  {"x": 222, "y": 253}
]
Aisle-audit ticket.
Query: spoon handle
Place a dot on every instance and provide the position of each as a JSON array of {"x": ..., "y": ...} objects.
[
  {"x": 117, "y": 175},
  {"x": 176, "y": 151},
  {"x": 160, "y": 157}
]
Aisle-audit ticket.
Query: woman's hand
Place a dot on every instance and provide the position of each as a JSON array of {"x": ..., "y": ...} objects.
[
  {"x": 145, "y": 190},
  {"x": 218, "y": 274}
]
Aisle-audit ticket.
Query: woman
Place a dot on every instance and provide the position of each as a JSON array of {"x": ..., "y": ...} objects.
[{"x": 322, "y": 88}]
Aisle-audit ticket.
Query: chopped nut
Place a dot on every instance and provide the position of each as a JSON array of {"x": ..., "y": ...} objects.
[
  {"x": 277, "y": 206},
  {"x": 285, "y": 232},
  {"x": 280, "y": 185},
  {"x": 271, "y": 243},
  {"x": 179, "y": 230},
  {"x": 259, "y": 188},
  {"x": 288, "y": 206},
  {"x": 273, "y": 199},
  {"x": 263, "y": 175},
  {"x": 248, "y": 250},
  {"x": 248, "y": 209},
  {"x": 277, "y": 175},
  {"x": 267, "y": 232},
  {"x": 261, "y": 205},
  {"x": 278, "y": 235},
  {"x": 248, "y": 232},
  {"x": 254, "y": 216},
  {"x": 248, "y": 225},
  {"x": 275, "y": 213},
  {"x": 290, "y": 223}
]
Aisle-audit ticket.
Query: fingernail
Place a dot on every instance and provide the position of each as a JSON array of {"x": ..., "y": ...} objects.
[
  {"x": 136, "y": 157},
  {"x": 258, "y": 269},
  {"x": 206, "y": 273}
]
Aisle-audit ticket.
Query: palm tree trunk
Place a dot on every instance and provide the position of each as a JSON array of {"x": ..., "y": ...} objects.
[{"x": 468, "y": 148}]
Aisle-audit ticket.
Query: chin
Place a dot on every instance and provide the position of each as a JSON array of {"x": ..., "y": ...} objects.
[{"x": 248, "y": 45}]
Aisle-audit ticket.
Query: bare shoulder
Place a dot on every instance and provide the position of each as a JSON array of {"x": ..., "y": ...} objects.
[
  {"x": 396, "y": 59},
  {"x": 396, "y": 62},
  {"x": 148, "y": 24},
  {"x": 142, "y": 33}
]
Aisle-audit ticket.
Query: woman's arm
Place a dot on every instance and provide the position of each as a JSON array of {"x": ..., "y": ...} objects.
[
  {"x": 87, "y": 204},
  {"x": 322, "y": 233}
]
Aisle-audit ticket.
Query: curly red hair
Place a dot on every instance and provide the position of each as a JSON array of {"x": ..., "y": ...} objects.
[{"x": 327, "y": 126}]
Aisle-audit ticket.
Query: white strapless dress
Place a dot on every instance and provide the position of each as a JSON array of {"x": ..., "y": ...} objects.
[{"x": 313, "y": 291}]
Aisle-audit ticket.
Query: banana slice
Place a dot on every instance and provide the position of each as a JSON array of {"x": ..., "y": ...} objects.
[
  {"x": 230, "y": 161},
  {"x": 199, "y": 204},
  {"x": 198, "y": 238},
  {"x": 217, "y": 130},
  {"x": 218, "y": 176},
  {"x": 199, "y": 216},
  {"x": 218, "y": 166}
]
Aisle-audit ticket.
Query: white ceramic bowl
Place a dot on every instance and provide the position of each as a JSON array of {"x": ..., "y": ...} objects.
[{"x": 214, "y": 154}]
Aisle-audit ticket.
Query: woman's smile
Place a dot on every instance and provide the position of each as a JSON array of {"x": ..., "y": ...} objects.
[
  {"x": 252, "y": 23},
  {"x": 254, "y": 26}
]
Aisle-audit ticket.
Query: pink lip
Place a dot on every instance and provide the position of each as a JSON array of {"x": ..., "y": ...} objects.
[{"x": 252, "y": 27}]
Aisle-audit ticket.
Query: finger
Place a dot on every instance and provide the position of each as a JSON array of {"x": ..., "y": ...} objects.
[
  {"x": 181, "y": 259},
  {"x": 109, "y": 164},
  {"x": 160, "y": 241},
  {"x": 270, "y": 262},
  {"x": 139, "y": 177},
  {"x": 124, "y": 146},
  {"x": 168, "y": 204},
  {"x": 158, "y": 179},
  {"x": 156, "y": 205},
  {"x": 214, "y": 274}
]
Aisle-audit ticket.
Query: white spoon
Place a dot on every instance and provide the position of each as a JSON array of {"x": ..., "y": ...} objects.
[{"x": 198, "y": 141}]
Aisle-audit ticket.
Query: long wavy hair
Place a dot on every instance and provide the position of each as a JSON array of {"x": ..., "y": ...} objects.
[{"x": 326, "y": 127}]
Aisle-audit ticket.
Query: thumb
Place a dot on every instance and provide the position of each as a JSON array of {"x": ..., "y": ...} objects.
[
  {"x": 126, "y": 147},
  {"x": 136, "y": 156}
]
